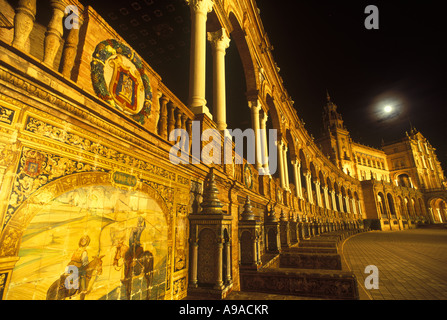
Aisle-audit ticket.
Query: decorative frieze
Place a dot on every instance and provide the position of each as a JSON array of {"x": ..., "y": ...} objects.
[{"x": 36, "y": 169}]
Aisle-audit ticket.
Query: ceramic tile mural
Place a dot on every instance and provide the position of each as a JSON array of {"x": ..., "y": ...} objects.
[{"x": 104, "y": 225}]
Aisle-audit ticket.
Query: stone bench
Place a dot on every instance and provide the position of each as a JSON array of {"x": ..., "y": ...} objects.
[{"x": 303, "y": 282}]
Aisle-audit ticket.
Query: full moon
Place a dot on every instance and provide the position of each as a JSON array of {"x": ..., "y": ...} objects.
[{"x": 388, "y": 109}]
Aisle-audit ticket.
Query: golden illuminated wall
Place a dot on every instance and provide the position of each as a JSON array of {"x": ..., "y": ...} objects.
[
  {"x": 73, "y": 167},
  {"x": 65, "y": 185},
  {"x": 85, "y": 174},
  {"x": 84, "y": 160},
  {"x": 370, "y": 163}
]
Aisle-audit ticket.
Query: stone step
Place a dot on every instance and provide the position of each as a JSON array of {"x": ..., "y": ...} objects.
[
  {"x": 327, "y": 261},
  {"x": 327, "y": 284},
  {"x": 317, "y": 243},
  {"x": 312, "y": 250},
  {"x": 328, "y": 238}
]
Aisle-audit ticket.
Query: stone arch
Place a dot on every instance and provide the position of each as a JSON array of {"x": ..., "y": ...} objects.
[
  {"x": 238, "y": 35},
  {"x": 422, "y": 208},
  {"x": 313, "y": 179},
  {"x": 438, "y": 209},
  {"x": 329, "y": 184},
  {"x": 381, "y": 205},
  {"x": 408, "y": 208},
  {"x": 322, "y": 186},
  {"x": 357, "y": 202},
  {"x": 413, "y": 207},
  {"x": 391, "y": 205},
  {"x": 291, "y": 145},
  {"x": 400, "y": 205},
  {"x": 403, "y": 179},
  {"x": 303, "y": 160},
  {"x": 313, "y": 170},
  {"x": 273, "y": 114},
  {"x": 343, "y": 198},
  {"x": 337, "y": 193}
]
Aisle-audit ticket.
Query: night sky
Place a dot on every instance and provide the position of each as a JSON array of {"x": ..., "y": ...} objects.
[{"x": 321, "y": 45}]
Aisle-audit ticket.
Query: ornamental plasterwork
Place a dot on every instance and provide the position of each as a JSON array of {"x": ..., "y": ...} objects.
[{"x": 6, "y": 115}]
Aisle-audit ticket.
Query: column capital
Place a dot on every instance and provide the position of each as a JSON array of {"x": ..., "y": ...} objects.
[
  {"x": 280, "y": 143},
  {"x": 264, "y": 117},
  {"x": 200, "y": 6},
  {"x": 254, "y": 105},
  {"x": 219, "y": 39}
]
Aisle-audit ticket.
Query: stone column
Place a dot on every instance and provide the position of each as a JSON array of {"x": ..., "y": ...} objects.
[
  {"x": 228, "y": 262},
  {"x": 197, "y": 80},
  {"x": 194, "y": 257},
  {"x": 219, "y": 43},
  {"x": 280, "y": 144},
  {"x": 53, "y": 36},
  {"x": 297, "y": 174},
  {"x": 265, "y": 160},
  {"x": 286, "y": 167},
  {"x": 255, "y": 107},
  {"x": 360, "y": 207},
  {"x": 334, "y": 203},
  {"x": 326, "y": 197},
  {"x": 340, "y": 201},
  {"x": 317, "y": 188},
  {"x": 23, "y": 22},
  {"x": 309, "y": 187},
  {"x": 348, "y": 209},
  {"x": 354, "y": 209},
  {"x": 219, "y": 282}
]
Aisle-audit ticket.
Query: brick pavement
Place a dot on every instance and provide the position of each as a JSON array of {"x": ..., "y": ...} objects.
[{"x": 412, "y": 264}]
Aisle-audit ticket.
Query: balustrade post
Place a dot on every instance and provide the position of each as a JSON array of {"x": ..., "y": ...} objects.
[
  {"x": 23, "y": 22},
  {"x": 53, "y": 36},
  {"x": 70, "y": 50},
  {"x": 163, "y": 126}
]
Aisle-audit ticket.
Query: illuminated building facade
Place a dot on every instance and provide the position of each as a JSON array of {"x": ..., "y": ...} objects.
[{"x": 87, "y": 185}]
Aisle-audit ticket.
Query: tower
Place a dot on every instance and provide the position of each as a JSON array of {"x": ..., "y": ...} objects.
[{"x": 336, "y": 140}]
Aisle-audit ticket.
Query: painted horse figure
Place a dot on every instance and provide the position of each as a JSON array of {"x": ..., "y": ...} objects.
[
  {"x": 136, "y": 262},
  {"x": 59, "y": 291}
]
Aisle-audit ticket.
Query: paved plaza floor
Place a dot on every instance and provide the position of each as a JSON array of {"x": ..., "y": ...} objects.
[{"x": 411, "y": 264}]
